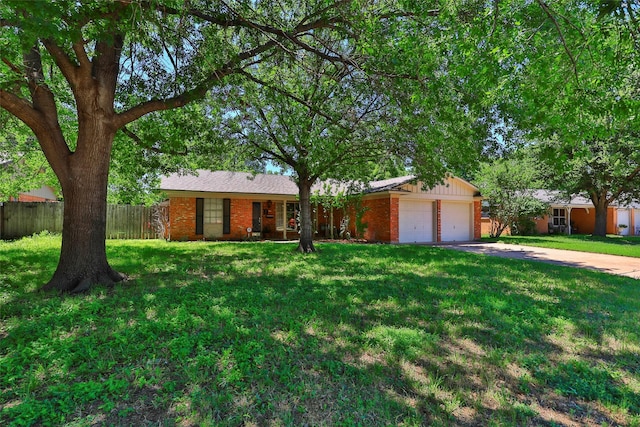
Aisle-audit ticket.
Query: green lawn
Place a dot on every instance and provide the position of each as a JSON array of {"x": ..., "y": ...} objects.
[
  {"x": 253, "y": 334},
  {"x": 612, "y": 245}
]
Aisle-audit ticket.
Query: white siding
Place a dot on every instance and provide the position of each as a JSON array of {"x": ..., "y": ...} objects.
[
  {"x": 415, "y": 221},
  {"x": 455, "y": 222},
  {"x": 623, "y": 218},
  {"x": 451, "y": 189}
]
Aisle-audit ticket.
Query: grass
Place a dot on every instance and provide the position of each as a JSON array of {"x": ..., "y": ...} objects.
[
  {"x": 611, "y": 245},
  {"x": 373, "y": 335}
]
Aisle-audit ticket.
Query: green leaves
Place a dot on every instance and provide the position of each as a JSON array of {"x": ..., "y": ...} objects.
[{"x": 508, "y": 186}]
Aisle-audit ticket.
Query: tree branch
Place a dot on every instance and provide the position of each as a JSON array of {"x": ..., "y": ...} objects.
[
  {"x": 81, "y": 54},
  {"x": 285, "y": 156},
  {"x": 140, "y": 143},
  {"x": 53, "y": 146},
  {"x": 231, "y": 67},
  {"x": 20, "y": 108},
  {"x": 62, "y": 60},
  {"x": 547, "y": 11},
  {"x": 287, "y": 94}
]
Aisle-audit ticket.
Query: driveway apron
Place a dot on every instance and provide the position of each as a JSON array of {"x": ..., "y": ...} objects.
[{"x": 612, "y": 264}]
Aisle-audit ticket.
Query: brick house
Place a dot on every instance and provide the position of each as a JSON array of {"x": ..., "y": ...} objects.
[
  {"x": 42, "y": 194},
  {"x": 576, "y": 215},
  {"x": 224, "y": 205}
]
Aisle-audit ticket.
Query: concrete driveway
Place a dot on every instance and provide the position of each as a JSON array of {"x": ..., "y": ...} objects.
[{"x": 612, "y": 264}]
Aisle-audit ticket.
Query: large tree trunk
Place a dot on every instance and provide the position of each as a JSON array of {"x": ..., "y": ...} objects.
[
  {"x": 601, "y": 206},
  {"x": 83, "y": 259},
  {"x": 306, "y": 225}
]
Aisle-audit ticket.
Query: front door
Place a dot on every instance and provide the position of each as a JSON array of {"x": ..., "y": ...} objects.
[{"x": 257, "y": 217}]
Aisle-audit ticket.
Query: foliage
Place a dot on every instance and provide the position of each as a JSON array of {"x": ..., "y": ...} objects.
[
  {"x": 225, "y": 334},
  {"x": 568, "y": 78},
  {"x": 320, "y": 119},
  {"x": 509, "y": 186},
  {"x": 343, "y": 200},
  {"x": 77, "y": 74},
  {"x": 23, "y": 166}
]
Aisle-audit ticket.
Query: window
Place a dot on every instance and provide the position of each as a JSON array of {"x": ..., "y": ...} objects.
[
  {"x": 486, "y": 209},
  {"x": 293, "y": 211},
  {"x": 559, "y": 216},
  {"x": 212, "y": 211}
]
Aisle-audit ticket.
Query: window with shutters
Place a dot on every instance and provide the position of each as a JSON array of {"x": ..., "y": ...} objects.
[{"x": 213, "y": 212}]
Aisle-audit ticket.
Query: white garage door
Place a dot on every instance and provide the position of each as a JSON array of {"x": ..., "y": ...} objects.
[
  {"x": 623, "y": 218},
  {"x": 415, "y": 221},
  {"x": 636, "y": 221},
  {"x": 455, "y": 222}
]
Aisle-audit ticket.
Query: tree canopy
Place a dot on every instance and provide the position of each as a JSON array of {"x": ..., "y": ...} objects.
[
  {"x": 78, "y": 73},
  {"x": 568, "y": 77},
  {"x": 508, "y": 185},
  {"x": 84, "y": 76}
]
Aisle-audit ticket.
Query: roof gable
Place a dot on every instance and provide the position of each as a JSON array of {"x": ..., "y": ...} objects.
[{"x": 452, "y": 185}]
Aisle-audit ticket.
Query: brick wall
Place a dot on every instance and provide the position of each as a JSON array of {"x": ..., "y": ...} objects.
[
  {"x": 182, "y": 217},
  {"x": 29, "y": 198},
  {"x": 477, "y": 219},
  {"x": 382, "y": 219},
  {"x": 394, "y": 220},
  {"x": 241, "y": 218},
  {"x": 582, "y": 219}
]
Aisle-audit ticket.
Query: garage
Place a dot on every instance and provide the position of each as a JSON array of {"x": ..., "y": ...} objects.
[
  {"x": 455, "y": 222},
  {"x": 415, "y": 221},
  {"x": 623, "y": 218}
]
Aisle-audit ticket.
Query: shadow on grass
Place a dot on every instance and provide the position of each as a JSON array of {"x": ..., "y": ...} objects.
[{"x": 355, "y": 335}]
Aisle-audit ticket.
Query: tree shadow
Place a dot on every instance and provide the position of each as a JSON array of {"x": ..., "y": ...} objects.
[{"x": 369, "y": 334}]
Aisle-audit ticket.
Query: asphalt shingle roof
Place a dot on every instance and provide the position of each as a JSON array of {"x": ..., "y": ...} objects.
[
  {"x": 243, "y": 182},
  {"x": 558, "y": 198},
  {"x": 230, "y": 182},
  {"x": 389, "y": 184}
]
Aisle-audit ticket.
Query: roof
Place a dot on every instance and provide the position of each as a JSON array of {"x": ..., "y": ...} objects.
[
  {"x": 247, "y": 183},
  {"x": 554, "y": 197},
  {"x": 557, "y": 198},
  {"x": 230, "y": 182},
  {"x": 389, "y": 184}
]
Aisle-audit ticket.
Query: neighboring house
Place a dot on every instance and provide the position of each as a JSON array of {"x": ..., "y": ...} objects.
[
  {"x": 225, "y": 205},
  {"x": 42, "y": 194},
  {"x": 629, "y": 216},
  {"x": 576, "y": 215}
]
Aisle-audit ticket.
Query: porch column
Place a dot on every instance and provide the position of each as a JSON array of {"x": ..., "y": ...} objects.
[
  {"x": 315, "y": 228},
  {"x": 569, "y": 221},
  {"x": 331, "y": 221},
  {"x": 284, "y": 219}
]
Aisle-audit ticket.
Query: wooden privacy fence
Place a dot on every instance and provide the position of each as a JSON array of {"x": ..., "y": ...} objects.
[{"x": 19, "y": 219}]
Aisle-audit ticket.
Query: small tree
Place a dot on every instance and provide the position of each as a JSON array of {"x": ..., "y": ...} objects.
[{"x": 508, "y": 184}]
